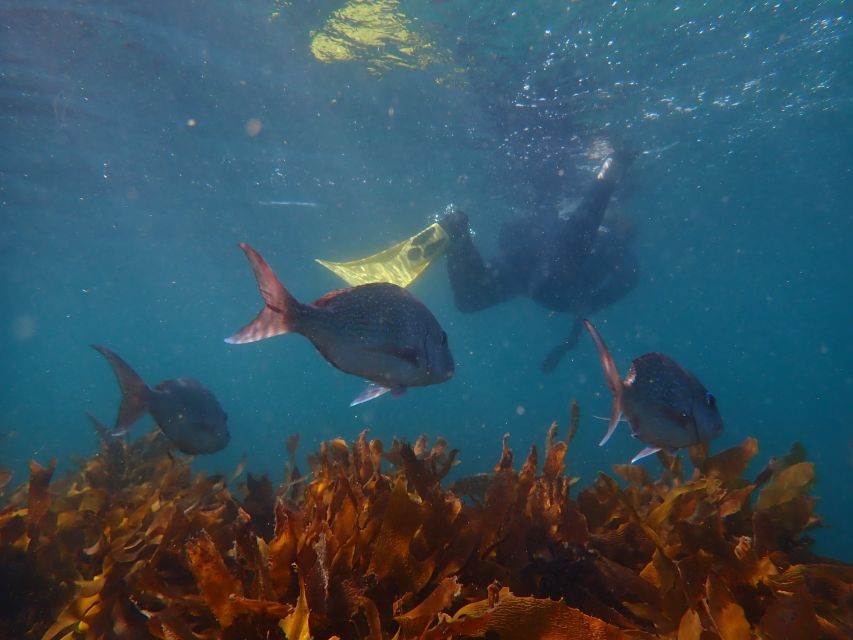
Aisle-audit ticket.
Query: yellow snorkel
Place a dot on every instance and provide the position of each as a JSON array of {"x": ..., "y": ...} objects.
[{"x": 400, "y": 264}]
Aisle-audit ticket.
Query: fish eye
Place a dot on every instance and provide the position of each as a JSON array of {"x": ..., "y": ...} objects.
[
  {"x": 443, "y": 338},
  {"x": 710, "y": 400}
]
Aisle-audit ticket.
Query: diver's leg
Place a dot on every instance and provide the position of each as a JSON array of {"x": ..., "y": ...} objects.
[
  {"x": 476, "y": 284},
  {"x": 556, "y": 354},
  {"x": 558, "y": 280}
]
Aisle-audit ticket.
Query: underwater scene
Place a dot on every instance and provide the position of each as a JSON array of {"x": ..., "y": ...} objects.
[{"x": 569, "y": 287}]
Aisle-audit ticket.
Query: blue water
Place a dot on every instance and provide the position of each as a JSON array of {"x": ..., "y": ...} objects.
[{"x": 130, "y": 173}]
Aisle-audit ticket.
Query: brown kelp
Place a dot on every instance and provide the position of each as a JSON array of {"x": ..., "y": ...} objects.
[{"x": 372, "y": 544}]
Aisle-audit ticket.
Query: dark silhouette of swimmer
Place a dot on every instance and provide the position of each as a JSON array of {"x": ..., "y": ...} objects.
[{"x": 569, "y": 264}]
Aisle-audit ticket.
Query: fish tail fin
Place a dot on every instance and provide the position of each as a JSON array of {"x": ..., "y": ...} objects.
[
  {"x": 611, "y": 376},
  {"x": 281, "y": 310},
  {"x": 102, "y": 429},
  {"x": 134, "y": 392},
  {"x": 615, "y": 418},
  {"x": 105, "y": 432}
]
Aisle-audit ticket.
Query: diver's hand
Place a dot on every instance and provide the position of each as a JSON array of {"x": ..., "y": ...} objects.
[
  {"x": 625, "y": 156},
  {"x": 616, "y": 164}
]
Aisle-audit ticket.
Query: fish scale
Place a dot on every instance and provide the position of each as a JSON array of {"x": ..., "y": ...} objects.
[
  {"x": 658, "y": 377},
  {"x": 353, "y": 317}
]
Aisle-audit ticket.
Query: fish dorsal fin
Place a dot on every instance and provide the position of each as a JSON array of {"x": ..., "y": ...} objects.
[
  {"x": 329, "y": 297},
  {"x": 371, "y": 392},
  {"x": 611, "y": 377},
  {"x": 134, "y": 392}
]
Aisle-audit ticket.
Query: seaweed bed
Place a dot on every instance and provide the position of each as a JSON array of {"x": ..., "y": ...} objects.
[{"x": 369, "y": 544}]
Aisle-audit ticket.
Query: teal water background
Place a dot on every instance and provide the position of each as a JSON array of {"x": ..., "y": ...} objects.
[{"x": 120, "y": 220}]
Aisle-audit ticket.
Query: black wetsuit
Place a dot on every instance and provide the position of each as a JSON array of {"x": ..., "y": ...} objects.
[{"x": 569, "y": 265}]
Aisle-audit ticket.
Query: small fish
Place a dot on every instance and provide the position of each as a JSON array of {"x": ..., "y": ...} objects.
[
  {"x": 184, "y": 409},
  {"x": 287, "y": 203},
  {"x": 664, "y": 404},
  {"x": 378, "y": 331}
]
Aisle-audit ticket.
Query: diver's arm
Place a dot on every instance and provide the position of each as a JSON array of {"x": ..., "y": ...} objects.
[
  {"x": 590, "y": 213},
  {"x": 569, "y": 244}
]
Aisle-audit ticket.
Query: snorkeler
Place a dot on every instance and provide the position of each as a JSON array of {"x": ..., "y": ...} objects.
[
  {"x": 570, "y": 264},
  {"x": 566, "y": 261}
]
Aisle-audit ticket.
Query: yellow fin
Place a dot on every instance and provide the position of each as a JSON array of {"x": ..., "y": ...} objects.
[{"x": 400, "y": 264}]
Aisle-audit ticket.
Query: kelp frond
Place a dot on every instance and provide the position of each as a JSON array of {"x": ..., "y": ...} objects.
[{"x": 372, "y": 544}]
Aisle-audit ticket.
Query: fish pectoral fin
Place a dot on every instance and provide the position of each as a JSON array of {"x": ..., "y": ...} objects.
[
  {"x": 406, "y": 354},
  {"x": 645, "y": 453},
  {"x": 683, "y": 419},
  {"x": 371, "y": 392}
]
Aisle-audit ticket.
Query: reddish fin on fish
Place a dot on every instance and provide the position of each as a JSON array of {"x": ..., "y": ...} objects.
[
  {"x": 327, "y": 298},
  {"x": 615, "y": 419},
  {"x": 134, "y": 392},
  {"x": 611, "y": 376},
  {"x": 281, "y": 310},
  {"x": 373, "y": 391},
  {"x": 103, "y": 430},
  {"x": 645, "y": 453}
]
